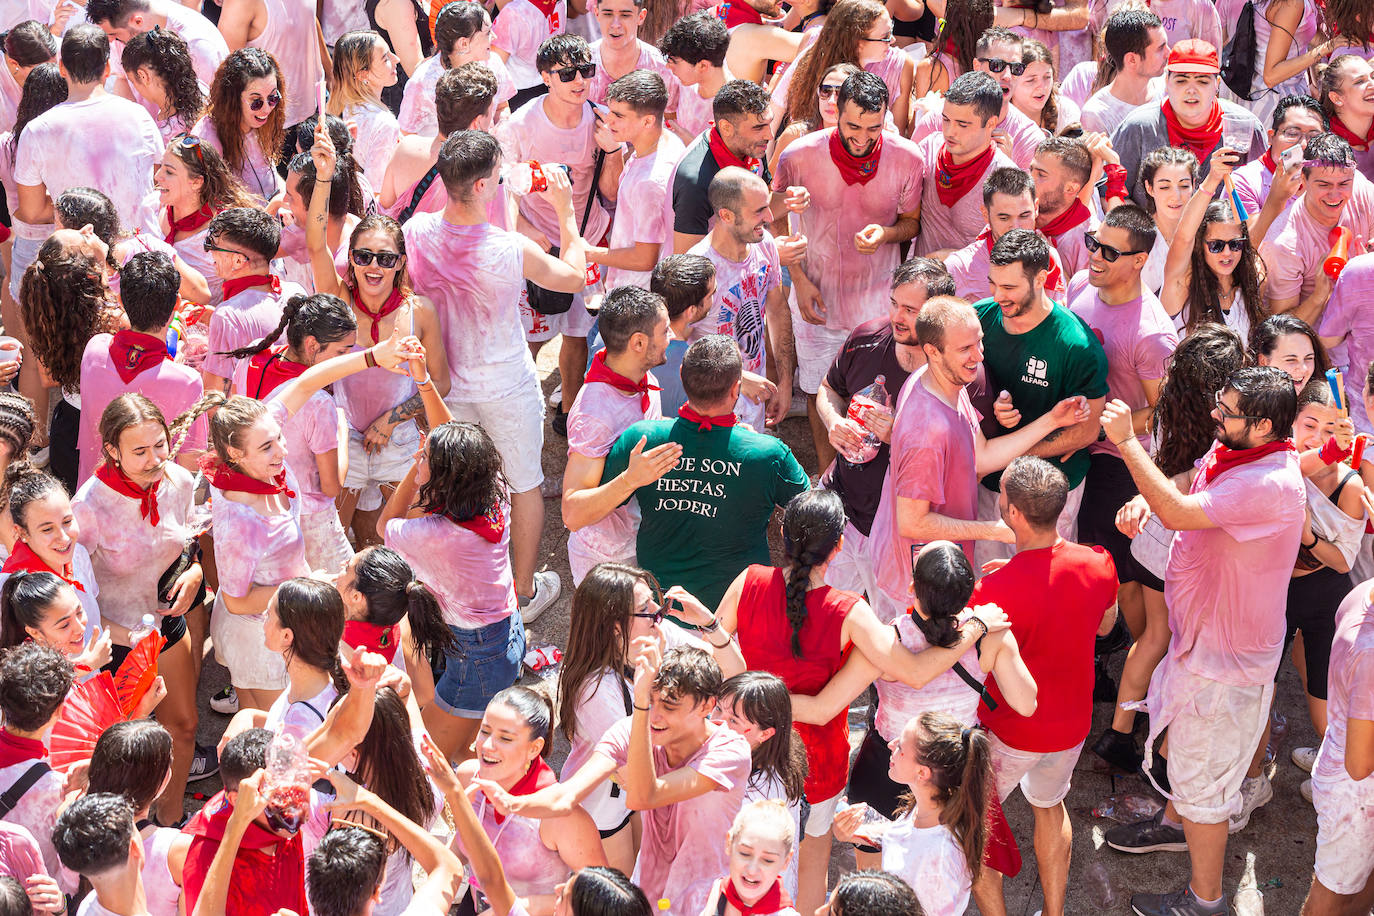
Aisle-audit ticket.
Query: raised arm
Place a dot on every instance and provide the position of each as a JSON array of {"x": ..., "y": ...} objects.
[
  {"x": 249, "y": 802},
  {"x": 1178, "y": 264},
  {"x": 389, "y": 354},
  {"x": 327, "y": 279}
]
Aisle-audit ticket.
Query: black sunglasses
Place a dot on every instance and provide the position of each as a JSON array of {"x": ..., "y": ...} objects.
[
  {"x": 568, "y": 74},
  {"x": 997, "y": 65},
  {"x": 208, "y": 245},
  {"x": 827, "y": 92},
  {"x": 1215, "y": 246},
  {"x": 272, "y": 101},
  {"x": 1109, "y": 254},
  {"x": 364, "y": 258}
]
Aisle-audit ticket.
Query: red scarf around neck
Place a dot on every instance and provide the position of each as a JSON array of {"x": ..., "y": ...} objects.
[
  {"x": 269, "y": 370},
  {"x": 23, "y": 559},
  {"x": 1359, "y": 143},
  {"x": 392, "y": 303},
  {"x": 113, "y": 476},
  {"x": 721, "y": 153},
  {"x": 704, "y": 423},
  {"x": 490, "y": 526},
  {"x": 953, "y": 182},
  {"x": 855, "y": 169},
  {"x": 237, "y": 285},
  {"x": 550, "y": 10},
  {"x": 134, "y": 353},
  {"x": 372, "y": 637},
  {"x": 1224, "y": 459},
  {"x": 736, "y": 12},
  {"x": 14, "y": 749},
  {"x": 538, "y": 776},
  {"x": 600, "y": 372},
  {"x": 1269, "y": 162},
  {"x": 1076, "y": 215},
  {"x": 1201, "y": 140},
  {"x": 769, "y": 903},
  {"x": 187, "y": 223},
  {"x": 225, "y": 478}
]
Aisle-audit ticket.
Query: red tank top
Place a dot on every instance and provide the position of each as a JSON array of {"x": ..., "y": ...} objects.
[{"x": 765, "y": 639}]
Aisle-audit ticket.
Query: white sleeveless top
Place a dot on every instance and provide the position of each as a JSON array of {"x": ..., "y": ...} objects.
[{"x": 898, "y": 703}]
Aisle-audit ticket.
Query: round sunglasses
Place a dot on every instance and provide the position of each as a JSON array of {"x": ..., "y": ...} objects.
[
  {"x": 362, "y": 257},
  {"x": 272, "y": 101}
]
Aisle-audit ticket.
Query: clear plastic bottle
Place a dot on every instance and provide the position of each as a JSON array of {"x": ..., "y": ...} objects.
[
  {"x": 874, "y": 398},
  {"x": 147, "y": 625},
  {"x": 1101, "y": 891},
  {"x": 287, "y": 783}
]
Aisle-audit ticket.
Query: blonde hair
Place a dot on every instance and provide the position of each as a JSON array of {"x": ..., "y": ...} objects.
[
  {"x": 770, "y": 815},
  {"x": 353, "y": 56}
]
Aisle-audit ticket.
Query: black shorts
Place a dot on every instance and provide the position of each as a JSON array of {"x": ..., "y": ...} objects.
[
  {"x": 869, "y": 782},
  {"x": 1313, "y": 601},
  {"x": 173, "y": 630},
  {"x": 1107, "y": 488}
]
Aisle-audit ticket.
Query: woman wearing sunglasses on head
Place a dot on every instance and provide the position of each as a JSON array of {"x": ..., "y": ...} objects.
[
  {"x": 1212, "y": 272},
  {"x": 247, "y": 121},
  {"x": 159, "y": 68},
  {"x": 381, "y": 407}
]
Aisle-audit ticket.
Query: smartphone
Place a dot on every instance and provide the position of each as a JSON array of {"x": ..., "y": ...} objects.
[{"x": 1292, "y": 156}]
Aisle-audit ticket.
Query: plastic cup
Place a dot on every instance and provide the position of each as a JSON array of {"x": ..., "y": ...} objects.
[{"x": 9, "y": 349}]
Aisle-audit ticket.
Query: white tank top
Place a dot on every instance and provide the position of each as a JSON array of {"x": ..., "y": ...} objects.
[{"x": 162, "y": 892}]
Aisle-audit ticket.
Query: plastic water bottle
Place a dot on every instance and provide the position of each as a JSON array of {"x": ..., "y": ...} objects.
[
  {"x": 528, "y": 177},
  {"x": 872, "y": 399},
  {"x": 287, "y": 783},
  {"x": 1101, "y": 891},
  {"x": 146, "y": 626}
]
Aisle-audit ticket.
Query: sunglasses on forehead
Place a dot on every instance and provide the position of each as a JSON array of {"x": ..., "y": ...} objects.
[
  {"x": 570, "y": 73},
  {"x": 185, "y": 141}
]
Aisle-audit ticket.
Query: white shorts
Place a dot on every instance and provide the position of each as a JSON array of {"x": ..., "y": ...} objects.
[
  {"x": 575, "y": 322},
  {"x": 326, "y": 545},
  {"x": 1043, "y": 777},
  {"x": 516, "y": 424},
  {"x": 368, "y": 472},
  {"x": 241, "y": 647},
  {"x": 851, "y": 570},
  {"x": 822, "y": 815},
  {"x": 1345, "y": 827},
  {"x": 983, "y": 551},
  {"x": 817, "y": 347}
]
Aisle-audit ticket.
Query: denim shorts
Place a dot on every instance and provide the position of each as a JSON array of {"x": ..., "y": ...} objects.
[{"x": 486, "y": 661}]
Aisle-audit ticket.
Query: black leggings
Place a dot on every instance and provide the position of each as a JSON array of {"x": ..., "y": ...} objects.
[
  {"x": 1313, "y": 601},
  {"x": 63, "y": 459}
]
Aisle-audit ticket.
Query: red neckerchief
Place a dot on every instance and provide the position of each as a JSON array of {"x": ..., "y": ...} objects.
[
  {"x": 1269, "y": 163},
  {"x": 490, "y": 526},
  {"x": 270, "y": 369},
  {"x": 550, "y": 10},
  {"x": 1201, "y": 140},
  {"x": 134, "y": 353},
  {"x": 1054, "y": 277},
  {"x": 223, "y": 477},
  {"x": 187, "y": 223},
  {"x": 600, "y": 372},
  {"x": 538, "y": 776},
  {"x": 113, "y": 476},
  {"x": 953, "y": 182},
  {"x": 268, "y": 872},
  {"x": 372, "y": 637},
  {"x": 1361, "y": 143},
  {"x": 22, "y": 558},
  {"x": 855, "y": 169},
  {"x": 392, "y": 303},
  {"x": 735, "y": 13},
  {"x": 1224, "y": 459},
  {"x": 1075, "y": 215},
  {"x": 705, "y": 423},
  {"x": 14, "y": 749},
  {"x": 237, "y": 285},
  {"x": 770, "y": 902},
  {"x": 721, "y": 153}
]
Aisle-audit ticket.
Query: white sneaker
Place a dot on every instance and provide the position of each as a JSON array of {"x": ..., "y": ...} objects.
[
  {"x": 1254, "y": 793},
  {"x": 226, "y": 702},
  {"x": 556, "y": 397},
  {"x": 1306, "y": 790},
  {"x": 1304, "y": 758},
  {"x": 547, "y": 588}
]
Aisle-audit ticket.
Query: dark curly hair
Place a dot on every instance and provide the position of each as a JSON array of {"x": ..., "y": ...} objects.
[
  {"x": 45, "y": 88},
  {"x": 1204, "y": 292},
  {"x": 78, "y": 207},
  {"x": 1182, "y": 423},
  {"x": 226, "y": 106},
  {"x": 166, "y": 54},
  {"x": 17, "y": 424},
  {"x": 34, "y": 681},
  {"x": 62, "y": 298},
  {"x": 465, "y": 476},
  {"x": 812, "y": 525}
]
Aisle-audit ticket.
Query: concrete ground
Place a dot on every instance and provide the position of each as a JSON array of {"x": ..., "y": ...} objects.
[{"x": 1273, "y": 854}]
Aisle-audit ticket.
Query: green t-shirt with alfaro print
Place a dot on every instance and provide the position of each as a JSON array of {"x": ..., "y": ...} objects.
[
  {"x": 1058, "y": 358},
  {"x": 706, "y": 520}
]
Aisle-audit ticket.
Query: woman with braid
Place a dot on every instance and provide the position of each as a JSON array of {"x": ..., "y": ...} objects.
[{"x": 17, "y": 427}]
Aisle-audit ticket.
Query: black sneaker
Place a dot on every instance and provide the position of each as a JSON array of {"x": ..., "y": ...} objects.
[
  {"x": 204, "y": 764},
  {"x": 1147, "y": 836},
  {"x": 1118, "y": 749},
  {"x": 1179, "y": 903},
  {"x": 560, "y": 422}
]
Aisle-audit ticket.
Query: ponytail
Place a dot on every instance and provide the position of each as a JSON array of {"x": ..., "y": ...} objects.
[
  {"x": 388, "y": 584},
  {"x": 326, "y": 318},
  {"x": 432, "y": 636},
  {"x": 288, "y": 313},
  {"x": 812, "y": 525},
  {"x": 960, "y": 762}
]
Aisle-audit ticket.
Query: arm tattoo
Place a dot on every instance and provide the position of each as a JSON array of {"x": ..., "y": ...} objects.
[{"x": 408, "y": 409}]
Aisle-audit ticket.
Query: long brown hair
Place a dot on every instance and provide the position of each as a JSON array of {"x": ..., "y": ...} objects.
[
  {"x": 389, "y": 766},
  {"x": 964, "y": 23},
  {"x": 1035, "y": 52},
  {"x": 1353, "y": 20},
  {"x": 381, "y": 223},
  {"x": 62, "y": 299},
  {"x": 352, "y": 55},
  {"x": 1204, "y": 291},
  {"x": 960, "y": 762},
  {"x": 226, "y": 106},
  {"x": 838, "y": 43},
  {"x": 221, "y": 188},
  {"x": 762, "y": 698},
  {"x": 1182, "y": 424}
]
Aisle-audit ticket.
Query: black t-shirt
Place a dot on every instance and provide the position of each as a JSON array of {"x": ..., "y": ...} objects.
[
  {"x": 692, "y": 213},
  {"x": 869, "y": 352}
]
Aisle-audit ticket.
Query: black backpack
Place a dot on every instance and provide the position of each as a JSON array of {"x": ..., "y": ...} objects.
[{"x": 1238, "y": 57}]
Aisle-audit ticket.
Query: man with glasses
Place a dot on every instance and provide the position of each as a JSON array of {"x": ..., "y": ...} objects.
[
  {"x": 864, "y": 201},
  {"x": 1137, "y": 46},
  {"x": 997, "y": 53},
  {"x": 1039, "y": 353},
  {"x": 1297, "y": 119},
  {"x": 1239, "y": 526}
]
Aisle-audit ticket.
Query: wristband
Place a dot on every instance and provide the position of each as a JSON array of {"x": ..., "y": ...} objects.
[
  {"x": 1116, "y": 180},
  {"x": 1315, "y": 539},
  {"x": 369, "y": 358},
  {"x": 640, "y": 708},
  {"x": 980, "y": 623},
  {"x": 711, "y": 627},
  {"x": 1332, "y": 452}
]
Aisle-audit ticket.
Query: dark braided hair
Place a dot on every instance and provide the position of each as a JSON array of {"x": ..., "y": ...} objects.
[
  {"x": 812, "y": 525},
  {"x": 324, "y": 317}
]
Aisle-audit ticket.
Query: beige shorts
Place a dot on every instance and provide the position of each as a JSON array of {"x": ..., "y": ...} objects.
[
  {"x": 1345, "y": 828},
  {"x": 326, "y": 545},
  {"x": 516, "y": 424},
  {"x": 1043, "y": 777},
  {"x": 368, "y": 471}
]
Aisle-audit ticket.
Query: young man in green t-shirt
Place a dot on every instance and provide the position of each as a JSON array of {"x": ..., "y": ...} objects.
[
  {"x": 704, "y": 510},
  {"x": 1039, "y": 353}
]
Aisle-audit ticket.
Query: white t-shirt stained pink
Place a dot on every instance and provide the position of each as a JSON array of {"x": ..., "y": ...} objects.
[
  {"x": 1025, "y": 136},
  {"x": 376, "y": 138},
  {"x": 1297, "y": 244},
  {"x": 418, "y": 115},
  {"x": 70, "y": 146},
  {"x": 1104, "y": 112},
  {"x": 311, "y": 431},
  {"x": 529, "y": 134},
  {"x": 854, "y": 287},
  {"x": 742, "y": 288},
  {"x": 694, "y": 113},
  {"x": 470, "y": 575},
  {"x": 1351, "y": 681},
  {"x": 519, "y": 29},
  {"x": 932, "y": 862},
  {"x": 289, "y": 36},
  {"x": 950, "y": 226},
  {"x": 241, "y": 320},
  {"x": 649, "y": 59},
  {"x": 644, "y": 207}
]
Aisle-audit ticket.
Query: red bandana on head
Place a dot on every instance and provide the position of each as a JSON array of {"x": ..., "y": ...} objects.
[
  {"x": 113, "y": 476},
  {"x": 22, "y": 558},
  {"x": 1224, "y": 459},
  {"x": 133, "y": 353},
  {"x": 721, "y": 153},
  {"x": 600, "y": 372},
  {"x": 490, "y": 526},
  {"x": 1076, "y": 215},
  {"x": 223, "y": 477},
  {"x": 233, "y": 287},
  {"x": 187, "y": 223},
  {"x": 855, "y": 169},
  {"x": 269, "y": 369},
  {"x": 704, "y": 423},
  {"x": 953, "y": 182},
  {"x": 1360, "y": 143},
  {"x": 770, "y": 902},
  {"x": 736, "y": 13},
  {"x": 392, "y": 303},
  {"x": 1201, "y": 140}
]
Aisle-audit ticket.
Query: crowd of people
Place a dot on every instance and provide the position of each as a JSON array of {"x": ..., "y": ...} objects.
[{"x": 1071, "y": 301}]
